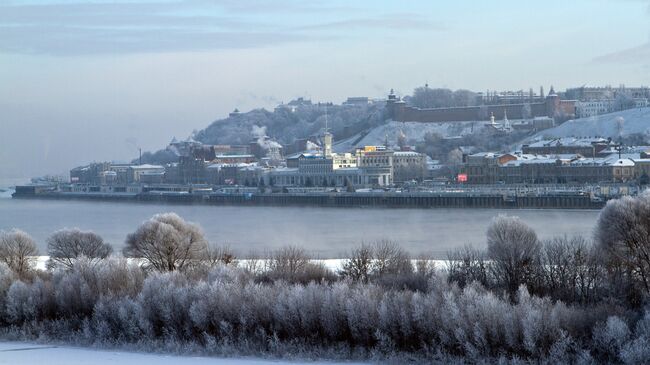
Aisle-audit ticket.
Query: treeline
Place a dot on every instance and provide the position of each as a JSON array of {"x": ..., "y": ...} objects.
[{"x": 565, "y": 300}]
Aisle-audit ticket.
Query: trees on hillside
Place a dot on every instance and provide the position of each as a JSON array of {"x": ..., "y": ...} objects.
[
  {"x": 67, "y": 245},
  {"x": 425, "y": 97},
  {"x": 166, "y": 242}
]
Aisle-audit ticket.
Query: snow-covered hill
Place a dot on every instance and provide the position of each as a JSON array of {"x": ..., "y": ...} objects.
[
  {"x": 413, "y": 131},
  {"x": 623, "y": 123}
]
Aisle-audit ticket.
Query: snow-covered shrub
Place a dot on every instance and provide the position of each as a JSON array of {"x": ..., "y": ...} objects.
[
  {"x": 609, "y": 338},
  {"x": 30, "y": 301}
]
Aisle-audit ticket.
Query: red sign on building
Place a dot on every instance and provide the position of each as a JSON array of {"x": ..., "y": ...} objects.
[{"x": 462, "y": 178}]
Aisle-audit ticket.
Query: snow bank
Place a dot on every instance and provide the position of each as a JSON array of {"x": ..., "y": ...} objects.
[{"x": 23, "y": 353}]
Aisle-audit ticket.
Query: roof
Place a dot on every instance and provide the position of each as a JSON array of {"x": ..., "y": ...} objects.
[
  {"x": 234, "y": 156},
  {"x": 568, "y": 141},
  {"x": 146, "y": 167},
  {"x": 623, "y": 162},
  {"x": 406, "y": 153}
]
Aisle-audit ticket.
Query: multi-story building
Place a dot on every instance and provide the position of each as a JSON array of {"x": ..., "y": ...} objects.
[
  {"x": 145, "y": 173},
  {"x": 409, "y": 165},
  {"x": 377, "y": 165},
  {"x": 568, "y": 145},
  {"x": 518, "y": 168},
  {"x": 592, "y": 108}
]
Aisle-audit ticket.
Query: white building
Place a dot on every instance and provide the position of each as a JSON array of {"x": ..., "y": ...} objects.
[
  {"x": 137, "y": 172},
  {"x": 592, "y": 108}
]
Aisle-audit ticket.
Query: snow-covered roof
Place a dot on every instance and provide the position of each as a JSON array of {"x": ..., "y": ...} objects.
[
  {"x": 486, "y": 154},
  {"x": 238, "y": 164},
  {"x": 234, "y": 156},
  {"x": 568, "y": 141},
  {"x": 146, "y": 167},
  {"x": 623, "y": 162},
  {"x": 406, "y": 153}
]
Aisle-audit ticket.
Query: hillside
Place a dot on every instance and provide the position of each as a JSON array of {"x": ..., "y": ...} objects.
[
  {"x": 285, "y": 125},
  {"x": 619, "y": 124},
  {"x": 414, "y": 132}
]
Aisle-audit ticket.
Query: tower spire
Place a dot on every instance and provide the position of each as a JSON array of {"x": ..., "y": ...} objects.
[{"x": 327, "y": 138}]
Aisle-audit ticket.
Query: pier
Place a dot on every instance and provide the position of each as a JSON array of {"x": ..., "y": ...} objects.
[{"x": 374, "y": 199}]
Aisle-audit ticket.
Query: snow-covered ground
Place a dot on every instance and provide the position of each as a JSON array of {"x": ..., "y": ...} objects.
[
  {"x": 414, "y": 131},
  {"x": 625, "y": 122},
  {"x": 24, "y": 353},
  {"x": 332, "y": 264}
]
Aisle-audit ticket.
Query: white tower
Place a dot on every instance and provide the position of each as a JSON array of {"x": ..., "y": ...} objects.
[{"x": 327, "y": 139}]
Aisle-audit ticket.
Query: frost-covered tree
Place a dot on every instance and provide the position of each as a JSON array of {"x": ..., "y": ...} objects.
[
  {"x": 67, "y": 245},
  {"x": 623, "y": 235},
  {"x": 425, "y": 97},
  {"x": 18, "y": 250},
  {"x": 514, "y": 250},
  {"x": 166, "y": 242}
]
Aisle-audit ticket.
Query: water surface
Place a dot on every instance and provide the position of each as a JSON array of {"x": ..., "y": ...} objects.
[{"x": 325, "y": 232}]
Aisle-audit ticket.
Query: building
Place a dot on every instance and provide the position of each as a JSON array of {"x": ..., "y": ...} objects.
[
  {"x": 519, "y": 168},
  {"x": 568, "y": 145},
  {"x": 89, "y": 174},
  {"x": 234, "y": 159},
  {"x": 408, "y": 166},
  {"x": 376, "y": 162},
  {"x": 145, "y": 173},
  {"x": 357, "y": 101},
  {"x": 590, "y": 108},
  {"x": 585, "y": 93}
]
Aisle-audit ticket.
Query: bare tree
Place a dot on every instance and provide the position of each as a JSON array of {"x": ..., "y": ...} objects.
[
  {"x": 514, "y": 250},
  {"x": 67, "y": 245},
  {"x": 466, "y": 265},
  {"x": 358, "y": 267},
  {"x": 288, "y": 261},
  {"x": 220, "y": 255},
  {"x": 390, "y": 259},
  {"x": 166, "y": 242},
  {"x": 18, "y": 250}
]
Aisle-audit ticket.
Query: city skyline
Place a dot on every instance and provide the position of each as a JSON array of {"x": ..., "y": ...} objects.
[{"x": 96, "y": 81}]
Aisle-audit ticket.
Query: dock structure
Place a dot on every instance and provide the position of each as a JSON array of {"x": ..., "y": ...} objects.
[{"x": 373, "y": 199}]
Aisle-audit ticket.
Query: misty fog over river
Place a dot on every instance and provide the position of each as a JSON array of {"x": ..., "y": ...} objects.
[{"x": 324, "y": 232}]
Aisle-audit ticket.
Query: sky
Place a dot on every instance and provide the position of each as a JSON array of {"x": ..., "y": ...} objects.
[{"x": 84, "y": 81}]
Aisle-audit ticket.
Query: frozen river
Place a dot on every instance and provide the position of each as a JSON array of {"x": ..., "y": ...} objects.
[{"x": 325, "y": 232}]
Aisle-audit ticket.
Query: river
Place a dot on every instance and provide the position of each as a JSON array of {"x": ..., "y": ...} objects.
[{"x": 324, "y": 232}]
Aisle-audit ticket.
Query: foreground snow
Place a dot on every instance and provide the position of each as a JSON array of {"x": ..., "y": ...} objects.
[{"x": 23, "y": 353}]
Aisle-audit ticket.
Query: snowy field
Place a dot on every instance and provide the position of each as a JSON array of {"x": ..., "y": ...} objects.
[{"x": 22, "y": 353}]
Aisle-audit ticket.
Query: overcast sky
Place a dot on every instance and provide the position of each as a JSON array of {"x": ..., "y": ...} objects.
[{"x": 85, "y": 81}]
